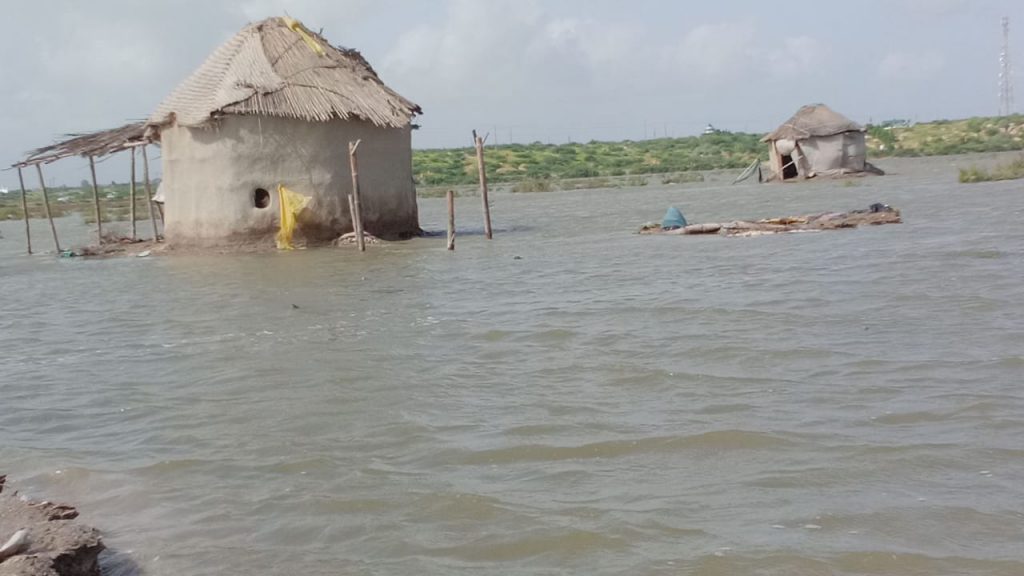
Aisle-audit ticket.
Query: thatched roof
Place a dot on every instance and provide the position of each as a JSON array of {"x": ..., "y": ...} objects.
[
  {"x": 815, "y": 120},
  {"x": 277, "y": 67},
  {"x": 91, "y": 144}
]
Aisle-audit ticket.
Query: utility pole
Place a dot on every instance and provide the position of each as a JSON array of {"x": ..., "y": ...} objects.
[{"x": 1006, "y": 106}]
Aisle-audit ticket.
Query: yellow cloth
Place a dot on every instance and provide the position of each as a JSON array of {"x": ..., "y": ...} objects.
[
  {"x": 291, "y": 204},
  {"x": 297, "y": 27}
]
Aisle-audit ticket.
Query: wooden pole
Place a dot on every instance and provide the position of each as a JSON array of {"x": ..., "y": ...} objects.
[
  {"x": 46, "y": 205},
  {"x": 777, "y": 161},
  {"x": 351, "y": 213},
  {"x": 482, "y": 169},
  {"x": 131, "y": 192},
  {"x": 451, "y": 219},
  {"x": 357, "y": 214},
  {"x": 149, "y": 193},
  {"x": 24, "y": 210},
  {"x": 798, "y": 154},
  {"x": 96, "y": 202}
]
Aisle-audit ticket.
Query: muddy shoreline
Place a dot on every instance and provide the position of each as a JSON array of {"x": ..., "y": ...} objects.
[{"x": 42, "y": 538}]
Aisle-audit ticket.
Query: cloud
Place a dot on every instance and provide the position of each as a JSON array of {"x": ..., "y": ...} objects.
[
  {"x": 933, "y": 9},
  {"x": 910, "y": 66},
  {"x": 478, "y": 42},
  {"x": 104, "y": 50},
  {"x": 314, "y": 13},
  {"x": 500, "y": 53},
  {"x": 724, "y": 52},
  {"x": 597, "y": 45},
  {"x": 717, "y": 52},
  {"x": 797, "y": 56}
]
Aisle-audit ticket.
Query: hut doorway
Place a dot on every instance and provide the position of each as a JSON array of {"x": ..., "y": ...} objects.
[{"x": 789, "y": 170}]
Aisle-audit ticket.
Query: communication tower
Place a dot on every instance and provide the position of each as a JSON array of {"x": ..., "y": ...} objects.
[{"x": 1005, "y": 73}]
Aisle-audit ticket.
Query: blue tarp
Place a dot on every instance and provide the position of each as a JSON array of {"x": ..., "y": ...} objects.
[{"x": 673, "y": 219}]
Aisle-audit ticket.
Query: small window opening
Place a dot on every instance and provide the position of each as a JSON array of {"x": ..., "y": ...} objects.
[
  {"x": 789, "y": 170},
  {"x": 261, "y": 198}
]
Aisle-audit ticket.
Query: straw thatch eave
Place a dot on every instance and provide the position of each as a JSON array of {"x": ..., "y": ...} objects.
[{"x": 95, "y": 144}]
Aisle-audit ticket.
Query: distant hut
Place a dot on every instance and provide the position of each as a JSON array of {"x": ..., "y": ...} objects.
[
  {"x": 278, "y": 105},
  {"x": 817, "y": 141}
]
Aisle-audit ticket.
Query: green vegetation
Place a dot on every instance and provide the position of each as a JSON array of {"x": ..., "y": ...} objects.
[
  {"x": 1013, "y": 170},
  {"x": 945, "y": 137},
  {"x": 544, "y": 165},
  {"x": 64, "y": 200},
  {"x": 533, "y": 185}
]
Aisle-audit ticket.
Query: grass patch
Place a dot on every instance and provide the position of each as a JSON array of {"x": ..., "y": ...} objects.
[
  {"x": 462, "y": 191},
  {"x": 534, "y": 185},
  {"x": 537, "y": 162},
  {"x": 682, "y": 178},
  {"x": 948, "y": 137},
  {"x": 35, "y": 210},
  {"x": 112, "y": 209},
  {"x": 1013, "y": 170}
]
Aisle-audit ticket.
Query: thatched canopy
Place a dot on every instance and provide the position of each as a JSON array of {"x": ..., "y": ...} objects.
[
  {"x": 95, "y": 144},
  {"x": 277, "y": 67},
  {"x": 816, "y": 120}
]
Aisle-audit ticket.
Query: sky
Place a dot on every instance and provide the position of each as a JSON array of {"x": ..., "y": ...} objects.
[{"x": 522, "y": 70}]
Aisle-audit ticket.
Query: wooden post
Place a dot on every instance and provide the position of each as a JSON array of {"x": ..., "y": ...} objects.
[
  {"x": 149, "y": 193},
  {"x": 96, "y": 202},
  {"x": 776, "y": 160},
  {"x": 352, "y": 212},
  {"x": 357, "y": 214},
  {"x": 46, "y": 205},
  {"x": 451, "y": 219},
  {"x": 24, "y": 210},
  {"x": 356, "y": 225},
  {"x": 798, "y": 154},
  {"x": 481, "y": 168},
  {"x": 131, "y": 192}
]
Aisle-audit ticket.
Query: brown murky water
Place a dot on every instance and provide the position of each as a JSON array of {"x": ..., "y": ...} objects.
[{"x": 837, "y": 403}]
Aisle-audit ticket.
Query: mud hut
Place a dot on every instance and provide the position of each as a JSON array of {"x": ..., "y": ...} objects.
[
  {"x": 816, "y": 141},
  {"x": 278, "y": 105}
]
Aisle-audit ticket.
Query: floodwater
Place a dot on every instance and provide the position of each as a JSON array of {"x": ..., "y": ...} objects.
[{"x": 570, "y": 398}]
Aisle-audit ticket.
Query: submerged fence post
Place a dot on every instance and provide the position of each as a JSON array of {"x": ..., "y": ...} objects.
[
  {"x": 24, "y": 210},
  {"x": 352, "y": 214},
  {"x": 96, "y": 202},
  {"x": 149, "y": 193},
  {"x": 131, "y": 192},
  {"x": 481, "y": 168},
  {"x": 357, "y": 210},
  {"x": 451, "y": 219},
  {"x": 46, "y": 205}
]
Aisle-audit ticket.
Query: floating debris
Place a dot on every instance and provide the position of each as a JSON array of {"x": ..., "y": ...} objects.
[
  {"x": 874, "y": 215},
  {"x": 350, "y": 239}
]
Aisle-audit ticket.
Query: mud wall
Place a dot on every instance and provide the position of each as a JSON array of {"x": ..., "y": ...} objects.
[{"x": 213, "y": 178}]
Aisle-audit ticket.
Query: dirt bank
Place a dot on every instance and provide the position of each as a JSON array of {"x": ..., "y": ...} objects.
[{"x": 40, "y": 538}]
